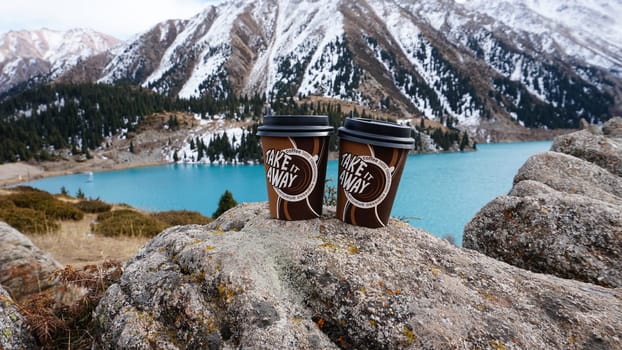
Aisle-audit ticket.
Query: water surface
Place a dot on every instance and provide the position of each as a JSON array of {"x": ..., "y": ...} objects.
[{"x": 438, "y": 192}]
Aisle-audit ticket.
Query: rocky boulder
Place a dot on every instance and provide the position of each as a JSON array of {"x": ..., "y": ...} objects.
[
  {"x": 613, "y": 127},
  {"x": 248, "y": 281},
  {"x": 603, "y": 149},
  {"x": 563, "y": 215},
  {"x": 14, "y": 332},
  {"x": 24, "y": 268}
]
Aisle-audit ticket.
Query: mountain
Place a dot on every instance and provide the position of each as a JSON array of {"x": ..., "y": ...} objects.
[
  {"x": 488, "y": 66},
  {"x": 27, "y": 54}
]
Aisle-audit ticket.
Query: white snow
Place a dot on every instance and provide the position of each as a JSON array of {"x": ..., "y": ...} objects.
[
  {"x": 590, "y": 30},
  {"x": 516, "y": 74},
  {"x": 188, "y": 155},
  {"x": 61, "y": 49},
  {"x": 297, "y": 30},
  {"x": 164, "y": 30},
  {"x": 216, "y": 38},
  {"x": 408, "y": 37},
  {"x": 210, "y": 65},
  {"x": 11, "y": 68}
]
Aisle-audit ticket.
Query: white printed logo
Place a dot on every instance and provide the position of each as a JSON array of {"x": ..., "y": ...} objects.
[
  {"x": 365, "y": 180},
  {"x": 292, "y": 173}
]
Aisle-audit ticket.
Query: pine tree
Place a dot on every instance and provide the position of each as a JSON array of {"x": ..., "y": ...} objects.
[
  {"x": 200, "y": 152},
  {"x": 465, "y": 141},
  {"x": 225, "y": 203}
]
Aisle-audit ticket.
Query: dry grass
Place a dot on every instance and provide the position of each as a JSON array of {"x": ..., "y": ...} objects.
[
  {"x": 82, "y": 232},
  {"x": 74, "y": 244},
  {"x": 61, "y": 317}
]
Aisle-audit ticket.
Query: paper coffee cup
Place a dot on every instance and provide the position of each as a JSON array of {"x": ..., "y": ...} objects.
[
  {"x": 372, "y": 155},
  {"x": 295, "y": 150}
]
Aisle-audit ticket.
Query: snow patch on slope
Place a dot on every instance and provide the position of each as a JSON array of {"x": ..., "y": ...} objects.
[
  {"x": 588, "y": 29},
  {"x": 217, "y": 49}
]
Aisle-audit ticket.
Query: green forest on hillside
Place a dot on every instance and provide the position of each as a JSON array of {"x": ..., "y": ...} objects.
[
  {"x": 37, "y": 123},
  {"x": 79, "y": 117}
]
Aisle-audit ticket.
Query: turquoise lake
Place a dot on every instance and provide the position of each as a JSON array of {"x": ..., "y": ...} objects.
[{"x": 438, "y": 192}]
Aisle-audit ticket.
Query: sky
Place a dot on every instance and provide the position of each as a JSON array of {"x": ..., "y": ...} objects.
[{"x": 119, "y": 18}]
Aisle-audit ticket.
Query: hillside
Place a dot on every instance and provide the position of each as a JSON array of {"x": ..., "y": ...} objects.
[
  {"x": 507, "y": 71},
  {"x": 487, "y": 68},
  {"x": 121, "y": 124}
]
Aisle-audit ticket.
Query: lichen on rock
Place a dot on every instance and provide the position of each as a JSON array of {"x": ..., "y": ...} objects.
[
  {"x": 14, "y": 331},
  {"x": 603, "y": 150},
  {"x": 249, "y": 281},
  {"x": 563, "y": 215}
]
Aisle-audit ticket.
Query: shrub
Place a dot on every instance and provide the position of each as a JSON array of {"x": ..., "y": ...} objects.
[
  {"x": 5, "y": 203},
  {"x": 46, "y": 203},
  {"x": 26, "y": 189},
  {"x": 28, "y": 220},
  {"x": 26, "y": 198},
  {"x": 225, "y": 203},
  {"x": 127, "y": 222},
  {"x": 93, "y": 206},
  {"x": 181, "y": 217}
]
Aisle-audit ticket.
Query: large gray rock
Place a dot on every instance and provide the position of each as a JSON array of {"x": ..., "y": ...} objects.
[
  {"x": 603, "y": 150},
  {"x": 248, "y": 281},
  {"x": 613, "y": 127},
  {"x": 24, "y": 268},
  {"x": 564, "y": 214},
  {"x": 543, "y": 230},
  {"x": 14, "y": 331},
  {"x": 571, "y": 175}
]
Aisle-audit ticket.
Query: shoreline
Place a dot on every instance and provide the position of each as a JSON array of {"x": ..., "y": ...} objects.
[{"x": 12, "y": 174}]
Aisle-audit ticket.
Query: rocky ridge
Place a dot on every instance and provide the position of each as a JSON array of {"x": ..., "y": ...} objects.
[
  {"x": 248, "y": 281},
  {"x": 467, "y": 64},
  {"x": 26, "y": 54},
  {"x": 563, "y": 215}
]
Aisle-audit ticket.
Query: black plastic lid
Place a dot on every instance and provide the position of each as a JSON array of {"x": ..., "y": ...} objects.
[
  {"x": 377, "y": 132},
  {"x": 295, "y": 125},
  {"x": 295, "y": 120}
]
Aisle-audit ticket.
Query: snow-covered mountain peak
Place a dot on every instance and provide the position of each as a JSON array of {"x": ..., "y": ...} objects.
[
  {"x": 52, "y": 45},
  {"x": 470, "y": 63},
  {"x": 590, "y": 30},
  {"x": 24, "y": 54}
]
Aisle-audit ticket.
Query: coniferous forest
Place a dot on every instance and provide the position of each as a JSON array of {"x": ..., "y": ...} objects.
[
  {"x": 37, "y": 122},
  {"x": 80, "y": 117}
]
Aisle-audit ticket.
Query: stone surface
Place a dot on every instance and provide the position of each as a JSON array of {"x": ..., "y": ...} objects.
[
  {"x": 14, "y": 332},
  {"x": 248, "y": 281},
  {"x": 563, "y": 215},
  {"x": 603, "y": 150},
  {"x": 24, "y": 268},
  {"x": 613, "y": 127},
  {"x": 568, "y": 174}
]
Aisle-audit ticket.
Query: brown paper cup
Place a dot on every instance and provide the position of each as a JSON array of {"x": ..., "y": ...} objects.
[
  {"x": 295, "y": 150},
  {"x": 372, "y": 155}
]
